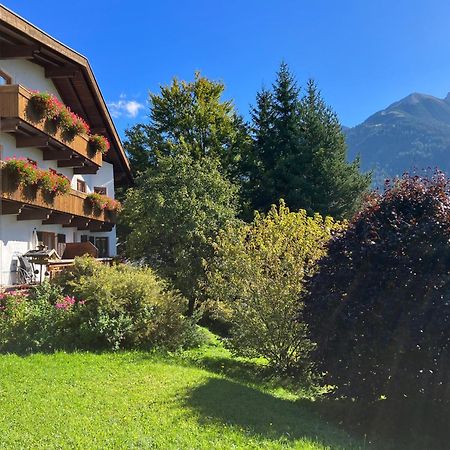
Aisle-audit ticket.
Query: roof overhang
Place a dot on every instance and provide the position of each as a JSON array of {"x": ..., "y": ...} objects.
[{"x": 72, "y": 76}]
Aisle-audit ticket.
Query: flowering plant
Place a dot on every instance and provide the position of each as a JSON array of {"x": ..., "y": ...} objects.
[
  {"x": 104, "y": 202},
  {"x": 99, "y": 143},
  {"x": 49, "y": 107},
  {"x": 24, "y": 169},
  {"x": 30, "y": 175},
  {"x": 53, "y": 182},
  {"x": 68, "y": 302},
  {"x": 46, "y": 105},
  {"x": 71, "y": 123},
  {"x": 113, "y": 205}
]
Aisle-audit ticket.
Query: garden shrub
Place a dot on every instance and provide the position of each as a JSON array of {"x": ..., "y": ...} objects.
[
  {"x": 256, "y": 276},
  {"x": 126, "y": 307},
  {"x": 94, "y": 306},
  {"x": 379, "y": 306},
  {"x": 40, "y": 319}
]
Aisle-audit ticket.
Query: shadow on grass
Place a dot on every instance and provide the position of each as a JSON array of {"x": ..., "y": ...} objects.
[
  {"x": 236, "y": 369},
  {"x": 390, "y": 425},
  {"x": 262, "y": 415}
]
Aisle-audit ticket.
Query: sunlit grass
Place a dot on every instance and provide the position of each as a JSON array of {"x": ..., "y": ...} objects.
[{"x": 139, "y": 400}]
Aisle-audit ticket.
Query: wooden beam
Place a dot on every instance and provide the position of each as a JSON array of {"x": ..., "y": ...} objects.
[
  {"x": 57, "y": 218},
  {"x": 85, "y": 170},
  {"x": 61, "y": 72},
  {"x": 96, "y": 226},
  {"x": 102, "y": 227},
  {"x": 72, "y": 162},
  {"x": 78, "y": 222},
  {"x": 33, "y": 214},
  {"x": 31, "y": 141},
  {"x": 98, "y": 130},
  {"x": 53, "y": 155},
  {"x": 11, "y": 51},
  {"x": 9, "y": 125},
  {"x": 10, "y": 208}
]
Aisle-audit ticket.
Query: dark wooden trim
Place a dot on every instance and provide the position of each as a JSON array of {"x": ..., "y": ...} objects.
[
  {"x": 60, "y": 72},
  {"x": 33, "y": 214},
  {"x": 31, "y": 141},
  {"x": 53, "y": 155},
  {"x": 72, "y": 162},
  {"x": 12, "y": 51},
  {"x": 100, "y": 227},
  {"x": 85, "y": 170},
  {"x": 78, "y": 222},
  {"x": 9, "y": 125},
  {"x": 58, "y": 219},
  {"x": 10, "y": 208}
]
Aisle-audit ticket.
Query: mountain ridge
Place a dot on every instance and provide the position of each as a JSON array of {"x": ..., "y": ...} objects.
[{"x": 412, "y": 133}]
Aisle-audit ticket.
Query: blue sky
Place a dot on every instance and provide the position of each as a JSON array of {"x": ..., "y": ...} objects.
[{"x": 364, "y": 54}]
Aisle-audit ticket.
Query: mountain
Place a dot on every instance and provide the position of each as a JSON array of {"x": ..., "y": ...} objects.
[{"x": 411, "y": 134}]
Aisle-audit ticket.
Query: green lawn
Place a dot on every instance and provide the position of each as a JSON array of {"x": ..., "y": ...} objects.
[{"x": 139, "y": 400}]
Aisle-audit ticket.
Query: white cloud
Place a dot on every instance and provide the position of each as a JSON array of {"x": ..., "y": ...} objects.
[{"x": 124, "y": 107}]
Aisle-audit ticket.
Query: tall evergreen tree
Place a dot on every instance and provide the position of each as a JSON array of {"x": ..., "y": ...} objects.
[
  {"x": 330, "y": 185},
  {"x": 299, "y": 153},
  {"x": 255, "y": 162}
]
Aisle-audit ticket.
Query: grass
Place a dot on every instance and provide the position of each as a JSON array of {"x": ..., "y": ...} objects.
[{"x": 201, "y": 399}]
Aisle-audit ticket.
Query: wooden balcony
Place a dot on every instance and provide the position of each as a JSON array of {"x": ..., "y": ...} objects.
[
  {"x": 70, "y": 210},
  {"x": 18, "y": 118}
]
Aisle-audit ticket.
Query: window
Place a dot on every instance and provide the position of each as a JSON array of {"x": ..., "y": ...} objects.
[
  {"x": 4, "y": 78},
  {"x": 100, "y": 190},
  {"x": 102, "y": 244},
  {"x": 85, "y": 238},
  {"x": 81, "y": 186}
]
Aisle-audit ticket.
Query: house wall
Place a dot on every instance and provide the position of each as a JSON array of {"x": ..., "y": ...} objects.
[
  {"x": 29, "y": 75},
  {"x": 16, "y": 236}
]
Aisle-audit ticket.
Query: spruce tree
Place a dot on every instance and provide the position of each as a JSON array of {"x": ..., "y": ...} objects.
[
  {"x": 299, "y": 153},
  {"x": 330, "y": 185},
  {"x": 255, "y": 164}
]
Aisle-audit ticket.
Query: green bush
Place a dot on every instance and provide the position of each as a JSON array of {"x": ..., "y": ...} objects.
[
  {"x": 94, "y": 306},
  {"x": 256, "y": 277}
]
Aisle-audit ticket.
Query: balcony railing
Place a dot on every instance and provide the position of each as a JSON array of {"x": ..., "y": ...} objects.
[
  {"x": 69, "y": 210},
  {"x": 17, "y": 117}
]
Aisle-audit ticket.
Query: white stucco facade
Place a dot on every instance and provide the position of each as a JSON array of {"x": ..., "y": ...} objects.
[{"x": 16, "y": 236}]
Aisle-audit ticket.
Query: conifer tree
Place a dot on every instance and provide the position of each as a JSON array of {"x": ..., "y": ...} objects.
[
  {"x": 329, "y": 185},
  {"x": 299, "y": 153}
]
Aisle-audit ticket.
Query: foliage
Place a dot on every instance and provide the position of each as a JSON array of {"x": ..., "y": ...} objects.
[
  {"x": 53, "y": 182},
  {"x": 99, "y": 143},
  {"x": 95, "y": 307},
  {"x": 49, "y": 107},
  {"x": 28, "y": 174},
  {"x": 25, "y": 170},
  {"x": 101, "y": 202},
  {"x": 30, "y": 322},
  {"x": 299, "y": 153},
  {"x": 188, "y": 118},
  {"x": 173, "y": 212},
  {"x": 257, "y": 274},
  {"x": 379, "y": 306},
  {"x": 126, "y": 307}
]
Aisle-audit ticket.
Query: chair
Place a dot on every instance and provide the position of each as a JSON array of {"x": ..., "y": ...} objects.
[{"x": 25, "y": 270}]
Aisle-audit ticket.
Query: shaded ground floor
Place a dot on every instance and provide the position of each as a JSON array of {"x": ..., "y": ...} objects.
[{"x": 19, "y": 237}]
